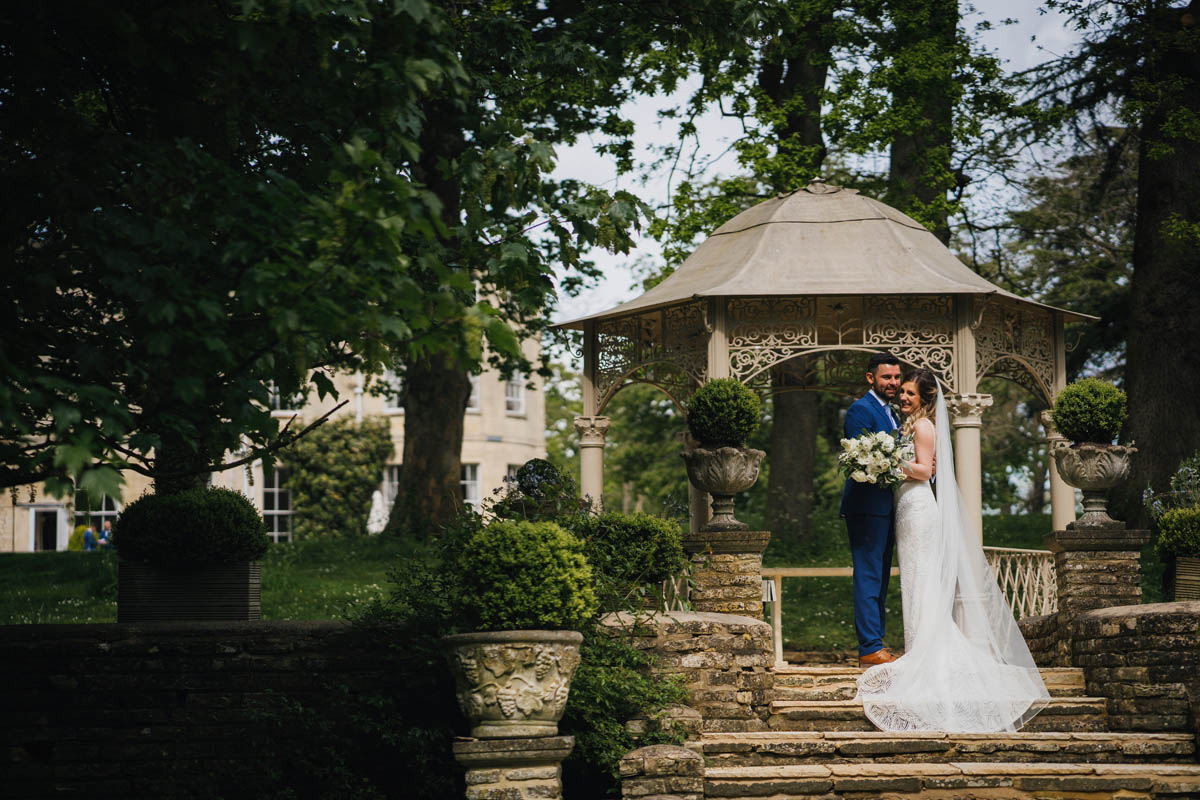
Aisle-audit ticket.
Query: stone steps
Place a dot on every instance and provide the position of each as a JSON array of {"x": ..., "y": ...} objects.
[
  {"x": 796, "y": 683},
  {"x": 792, "y": 748},
  {"x": 957, "y": 779},
  {"x": 1061, "y": 714}
]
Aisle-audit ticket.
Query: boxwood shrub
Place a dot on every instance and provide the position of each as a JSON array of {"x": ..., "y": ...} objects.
[
  {"x": 193, "y": 528},
  {"x": 723, "y": 413},
  {"x": 1179, "y": 532},
  {"x": 632, "y": 548},
  {"x": 519, "y": 575},
  {"x": 1090, "y": 410}
]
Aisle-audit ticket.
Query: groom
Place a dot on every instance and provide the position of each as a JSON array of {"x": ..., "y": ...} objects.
[{"x": 867, "y": 510}]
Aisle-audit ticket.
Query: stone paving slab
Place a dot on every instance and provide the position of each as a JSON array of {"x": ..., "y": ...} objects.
[{"x": 956, "y": 779}]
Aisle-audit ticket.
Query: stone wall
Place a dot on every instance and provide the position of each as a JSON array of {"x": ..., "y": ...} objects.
[
  {"x": 1041, "y": 634},
  {"x": 157, "y": 709},
  {"x": 1145, "y": 660},
  {"x": 724, "y": 660}
]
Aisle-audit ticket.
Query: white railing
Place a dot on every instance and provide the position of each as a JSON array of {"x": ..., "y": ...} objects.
[{"x": 1026, "y": 578}]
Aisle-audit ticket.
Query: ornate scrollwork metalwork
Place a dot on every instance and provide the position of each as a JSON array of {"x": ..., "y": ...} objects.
[
  {"x": 918, "y": 330},
  {"x": 1016, "y": 342},
  {"x": 666, "y": 347},
  {"x": 766, "y": 330}
]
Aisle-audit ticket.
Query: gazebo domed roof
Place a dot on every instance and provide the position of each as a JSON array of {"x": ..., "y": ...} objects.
[{"x": 819, "y": 240}]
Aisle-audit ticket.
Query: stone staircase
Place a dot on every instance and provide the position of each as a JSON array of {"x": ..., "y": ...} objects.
[{"x": 820, "y": 744}]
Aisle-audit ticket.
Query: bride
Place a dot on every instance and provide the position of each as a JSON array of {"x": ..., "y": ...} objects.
[{"x": 966, "y": 667}]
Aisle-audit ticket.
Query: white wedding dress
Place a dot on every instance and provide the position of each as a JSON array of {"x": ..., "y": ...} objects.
[{"x": 966, "y": 667}]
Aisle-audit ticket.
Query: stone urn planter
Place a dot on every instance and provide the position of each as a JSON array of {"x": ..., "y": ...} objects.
[
  {"x": 1093, "y": 468},
  {"x": 513, "y": 684},
  {"x": 723, "y": 472}
]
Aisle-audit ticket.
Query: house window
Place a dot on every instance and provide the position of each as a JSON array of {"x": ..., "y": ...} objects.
[
  {"x": 470, "y": 485},
  {"x": 282, "y": 402},
  {"x": 277, "y": 504},
  {"x": 473, "y": 400},
  {"x": 393, "y": 391},
  {"x": 95, "y": 510},
  {"x": 391, "y": 483},
  {"x": 510, "y": 475},
  {"x": 514, "y": 395}
]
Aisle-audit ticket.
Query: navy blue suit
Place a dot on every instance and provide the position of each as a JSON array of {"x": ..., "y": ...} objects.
[{"x": 867, "y": 510}]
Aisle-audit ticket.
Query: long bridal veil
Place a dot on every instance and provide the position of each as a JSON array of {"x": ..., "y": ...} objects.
[{"x": 967, "y": 669}]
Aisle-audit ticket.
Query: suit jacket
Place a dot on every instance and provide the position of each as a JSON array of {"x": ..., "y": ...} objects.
[{"x": 865, "y": 498}]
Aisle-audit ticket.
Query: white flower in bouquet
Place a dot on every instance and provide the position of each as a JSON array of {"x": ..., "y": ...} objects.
[{"x": 875, "y": 458}]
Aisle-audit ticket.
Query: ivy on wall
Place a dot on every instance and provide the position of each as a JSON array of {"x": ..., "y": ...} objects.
[{"x": 332, "y": 473}]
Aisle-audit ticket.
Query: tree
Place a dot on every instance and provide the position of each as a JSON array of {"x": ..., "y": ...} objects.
[
  {"x": 1141, "y": 62},
  {"x": 206, "y": 204},
  {"x": 214, "y": 203}
]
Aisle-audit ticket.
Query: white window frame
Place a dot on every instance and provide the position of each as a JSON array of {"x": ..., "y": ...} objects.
[
  {"x": 469, "y": 480},
  {"x": 285, "y": 405},
  {"x": 109, "y": 510},
  {"x": 393, "y": 384},
  {"x": 391, "y": 483},
  {"x": 514, "y": 396},
  {"x": 473, "y": 398},
  {"x": 278, "y": 520}
]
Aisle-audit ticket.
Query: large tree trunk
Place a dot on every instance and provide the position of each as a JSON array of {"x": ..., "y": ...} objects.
[
  {"x": 793, "y": 458},
  {"x": 1164, "y": 327},
  {"x": 924, "y": 91},
  {"x": 790, "y": 70},
  {"x": 430, "y": 493}
]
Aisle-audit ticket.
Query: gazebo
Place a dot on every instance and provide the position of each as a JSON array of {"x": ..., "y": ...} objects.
[{"x": 826, "y": 275}]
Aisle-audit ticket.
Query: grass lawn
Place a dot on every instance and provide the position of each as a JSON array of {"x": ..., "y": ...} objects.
[
  {"x": 320, "y": 579},
  {"x": 324, "y": 579}
]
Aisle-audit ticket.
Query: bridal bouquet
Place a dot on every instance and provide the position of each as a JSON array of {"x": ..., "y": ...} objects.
[{"x": 876, "y": 458}]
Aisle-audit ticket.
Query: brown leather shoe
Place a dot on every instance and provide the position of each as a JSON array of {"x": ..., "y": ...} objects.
[{"x": 883, "y": 656}]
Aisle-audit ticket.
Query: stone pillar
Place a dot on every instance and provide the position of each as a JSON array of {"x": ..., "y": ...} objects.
[
  {"x": 1062, "y": 496},
  {"x": 591, "y": 458},
  {"x": 966, "y": 418},
  {"x": 1095, "y": 567},
  {"x": 662, "y": 772},
  {"x": 727, "y": 571},
  {"x": 699, "y": 501},
  {"x": 514, "y": 769}
]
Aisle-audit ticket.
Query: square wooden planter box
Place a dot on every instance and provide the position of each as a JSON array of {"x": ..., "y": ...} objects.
[
  {"x": 1187, "y": 578},
  {"x": 221, "y": 592}
]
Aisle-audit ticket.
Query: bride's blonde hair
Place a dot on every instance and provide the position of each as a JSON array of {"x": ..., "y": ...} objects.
[{"x": 927, "y": 389}]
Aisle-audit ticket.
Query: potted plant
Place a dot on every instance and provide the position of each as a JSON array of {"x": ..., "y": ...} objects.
[
  {"x": 1090, "y": 413},
  {"x": 721, "y": 416},
  {"x": 522, "y": 588},
  {"x": 1179, "y": 540},
  {"x": 191, "y": 555}
]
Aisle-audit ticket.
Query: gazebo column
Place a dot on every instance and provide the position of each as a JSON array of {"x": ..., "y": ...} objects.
[
  {"x": 591, "y": 427},
  {"x": 1062, "y": 496},
  {"x": 966, "y": 418},
  {"x": 591, "y": 458}
]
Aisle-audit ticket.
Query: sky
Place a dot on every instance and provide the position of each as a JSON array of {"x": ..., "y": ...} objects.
[{"x": 1033, "y": 38}]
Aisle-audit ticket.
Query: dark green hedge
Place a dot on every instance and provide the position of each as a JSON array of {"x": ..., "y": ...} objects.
[
  {"x": 632, "y": 548},
  {"x": 1090, "y": 410},
  {"x": 517, "y": 575},
  {"x": 1179, "y": 532},
  {"x": 723, "y": 413},
  {"x": 194, "y": 528}
]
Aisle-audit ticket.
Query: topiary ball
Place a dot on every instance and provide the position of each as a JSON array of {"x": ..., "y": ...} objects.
[
  {"x": 1179, "y": 532},
  {"x": 632, "y": 548},
  {"x": 1090, "y": 410},
  {"x": 723, "y": 413},
  {"x": 519, "y": 575},
  {"x": 193, "y": 528}
]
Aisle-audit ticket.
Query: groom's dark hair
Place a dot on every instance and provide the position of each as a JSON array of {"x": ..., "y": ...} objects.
[{"x": 882, "y": 358}]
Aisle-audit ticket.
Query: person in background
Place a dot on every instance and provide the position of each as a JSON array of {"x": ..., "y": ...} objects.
[
  {"x": 106, "y": 535},
  {"x": 89, "y": 538}
]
